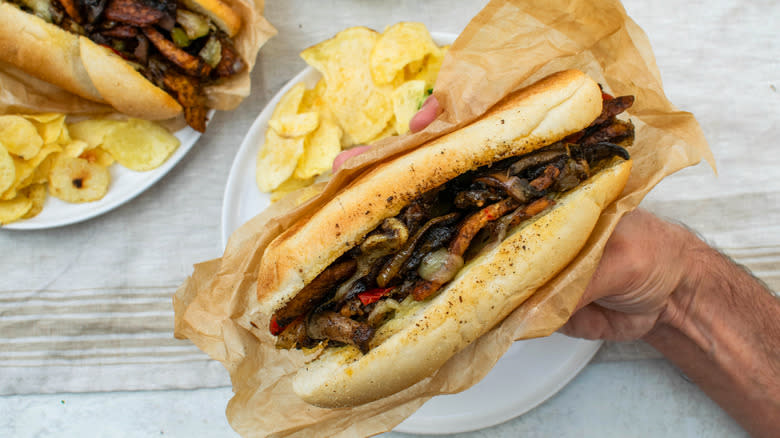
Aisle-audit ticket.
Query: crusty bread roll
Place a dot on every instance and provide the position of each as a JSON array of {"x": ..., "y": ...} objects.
[
  {"x": 84, "y": 68},
  {"x": 424, "y": 334},
  {"x": 45, "y": 51},
  {"x": 124, "y": 88}
]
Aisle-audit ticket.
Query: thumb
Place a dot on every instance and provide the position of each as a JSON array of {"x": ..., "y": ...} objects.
[{"x": 427, "y": 114}]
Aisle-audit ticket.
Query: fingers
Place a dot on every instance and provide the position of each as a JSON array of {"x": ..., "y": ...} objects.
[
  {"x": 345, "y": 155},
  {"x": 587, "y": 323},
  {"x": 596, "y": 322},
  {"x": 427, "y": 114},
  {"x": 624, "y": 256}
]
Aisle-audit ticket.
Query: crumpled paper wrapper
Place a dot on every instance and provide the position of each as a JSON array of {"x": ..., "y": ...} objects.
[
  {"x": 508, "y": 45},
  {"x": 22, "y": 93}
]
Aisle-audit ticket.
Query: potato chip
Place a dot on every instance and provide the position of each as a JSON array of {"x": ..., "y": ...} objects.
[
  {"x": 387, "y": 132},
  {"x": 314, "y": 100},
  {"x": 46, "y": 151},
  {"x": 400, "y": 44},
  {"x": 140, "y": 144},
  {"x": 64, "y": 137},
  {"x": 7, "y": 170},
  {"x": 44, "y": 118},
  {"x": 288, "y": 186},
  {"x": 41, "y": 174},
  {"x": 36, "y": 193},
  {"x": 319, "y": 150},
  {"x": 14, "y": 209},
  {"x": 276, "y": 160},
  {"x": 289, "y": 103},
  {"x": 430, "y": 68},
  {"x": 19, "y": 136},
  {"x": 312, "y": 97},
  {"x": 295, "y": 125},
  {"x": 407, "y": 100},
  {"x": 78, "y": 180},
  {"x": 25, "y": 170},
  {"x": 415, "y": 67},
  {"x": 92, "y": 131},
  {"x": 361, "y": 108},
  {"x": 49, "y": 125},
  {"x": 75, "y": 148},
  {"x": 98, "y": 156}
]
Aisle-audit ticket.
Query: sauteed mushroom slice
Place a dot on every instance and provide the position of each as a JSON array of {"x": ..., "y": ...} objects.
[
  {"x": 593, "y": 153},
  {"x": 519, "y": 189},
  {"x": 476, "y": 198},
  {"x": 535, "y": 159},
  {"x": 614, "y": 131},
  {"x": 335, "y": 327},
  {"x": 293, "y": 335}
]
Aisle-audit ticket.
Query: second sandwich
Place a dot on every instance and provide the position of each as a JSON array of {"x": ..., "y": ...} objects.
[{"x": 147, "y": 58}]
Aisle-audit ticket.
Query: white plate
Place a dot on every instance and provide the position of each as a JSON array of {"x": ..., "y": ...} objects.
[
  {"x": 527, "y": 375},
  {"x": 125, "y": 185}
]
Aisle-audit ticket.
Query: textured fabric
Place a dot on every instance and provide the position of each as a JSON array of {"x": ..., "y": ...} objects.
[{"x": 87, "y": 307}]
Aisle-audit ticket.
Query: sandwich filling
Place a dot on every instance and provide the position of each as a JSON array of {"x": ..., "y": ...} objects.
[
  {"x": 174, "y": 47},
  {"x": 411, "y": 256}
]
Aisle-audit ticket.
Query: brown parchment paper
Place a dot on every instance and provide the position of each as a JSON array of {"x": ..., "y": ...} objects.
[
  {"x": 22, "y": 93},
  {"x": 509, "y": 44}
]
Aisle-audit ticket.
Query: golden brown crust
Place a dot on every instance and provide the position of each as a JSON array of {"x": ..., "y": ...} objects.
[
  {"x": 543, "y": 113},
  {"x": 483, "y": 293},
  {"x": 123, "y": 87},
  {"x": 44, "y": 51}
]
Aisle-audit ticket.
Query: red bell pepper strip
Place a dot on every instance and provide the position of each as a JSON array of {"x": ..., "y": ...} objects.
[
  {"x": 275, "y": 328},
  {"x": 373, "y": 295}
]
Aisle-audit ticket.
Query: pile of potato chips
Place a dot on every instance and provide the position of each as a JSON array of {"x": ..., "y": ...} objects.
[
  {"x": 72, "y": 160},
  {"x": 372, "y": 84}
]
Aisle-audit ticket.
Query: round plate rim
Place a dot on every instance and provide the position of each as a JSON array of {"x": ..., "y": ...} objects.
[{"x": 89, "y": 210}]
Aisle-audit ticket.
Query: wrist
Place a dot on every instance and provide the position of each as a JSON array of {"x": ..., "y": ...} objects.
[
  {"x": 721, "y": 327},
  {"x": 695, "y": 260}
]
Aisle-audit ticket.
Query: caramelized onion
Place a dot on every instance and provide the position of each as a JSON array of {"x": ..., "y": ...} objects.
[
  {"x": 381, "y": 310},
  {"x": 440, "y": 266}
]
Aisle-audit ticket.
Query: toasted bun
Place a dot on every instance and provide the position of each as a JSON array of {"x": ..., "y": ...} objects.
[
  {"x": 220, "y": 13},
  {"x": 124, "y": 88},
  {"x": 44, "y": 51},
  {"x": 422, "y": 336},
  {"x": 536, "y": 116}
]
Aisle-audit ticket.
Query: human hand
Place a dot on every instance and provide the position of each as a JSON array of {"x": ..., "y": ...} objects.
[{"x": 644, "y": 263}]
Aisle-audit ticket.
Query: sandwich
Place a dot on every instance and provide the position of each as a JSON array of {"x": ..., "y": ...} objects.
[
  {"x": 147, "y": 58},
  {"x": 427, "y": 251}
]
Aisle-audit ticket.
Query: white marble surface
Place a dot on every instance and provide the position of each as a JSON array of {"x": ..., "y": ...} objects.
[{"x": 719, "y": 59}]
